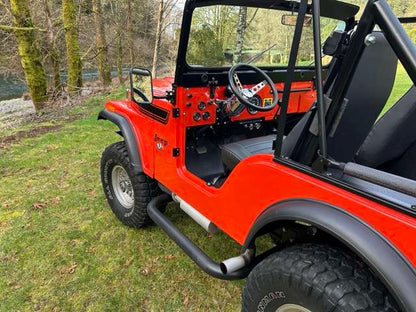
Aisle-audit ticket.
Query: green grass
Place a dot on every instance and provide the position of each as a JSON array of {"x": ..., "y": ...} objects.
[
  {"x": 62, "y": 249},
  {"x": 401, "y": 85}
]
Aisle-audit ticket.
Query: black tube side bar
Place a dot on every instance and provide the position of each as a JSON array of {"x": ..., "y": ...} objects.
[
  {"x": 208, "y": 265},
  {"x": 193, "y": 251}
]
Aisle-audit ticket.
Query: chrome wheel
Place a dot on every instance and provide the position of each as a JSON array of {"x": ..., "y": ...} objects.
[
  {"x": 122, "y": 187},
  {"x": 292, "y": 308}
]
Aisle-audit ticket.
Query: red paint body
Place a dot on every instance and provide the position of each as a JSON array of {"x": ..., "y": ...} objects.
[{"x": 257, "y": 182}]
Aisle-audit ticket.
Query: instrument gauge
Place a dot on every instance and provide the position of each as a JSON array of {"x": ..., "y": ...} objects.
[{"x": 255, "y": 100}]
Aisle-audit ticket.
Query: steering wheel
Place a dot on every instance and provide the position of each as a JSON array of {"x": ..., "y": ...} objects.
[{"x": 245, "y": 95}]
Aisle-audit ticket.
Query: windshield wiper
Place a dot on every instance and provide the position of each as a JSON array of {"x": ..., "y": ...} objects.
[{"x": 255, "y": 57}]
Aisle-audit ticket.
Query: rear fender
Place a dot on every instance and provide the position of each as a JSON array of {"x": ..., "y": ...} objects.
[
  {"x": 393, "y": 269},
  {"x": 128, "y": 135}
]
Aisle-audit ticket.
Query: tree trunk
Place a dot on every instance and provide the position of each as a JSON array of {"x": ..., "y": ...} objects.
[
  {"x": 53, "y": 51},
  {"x": 101, "y": 44},
  {"x": 29, "y": 53},
  {"x": 158, "y": 38},
  {"x": 241, "y": 31},
  {"x": 130, "y": 33},
  {"x": 120, "y": 60},
  {"x": 73, "y": 50}
]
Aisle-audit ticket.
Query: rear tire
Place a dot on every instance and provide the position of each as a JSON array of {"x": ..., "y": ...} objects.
[
  {"x": 315, "y": 278},
  {"x": 127, "y": 193}
]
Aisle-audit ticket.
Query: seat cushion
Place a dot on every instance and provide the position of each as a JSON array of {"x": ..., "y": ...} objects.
[{"x": 233, "y": 153}]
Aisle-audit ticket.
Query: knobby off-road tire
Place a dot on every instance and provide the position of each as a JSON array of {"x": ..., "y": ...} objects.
[
  {"x": 127, "y": 193},
  {"x": 315, "y": 278}
]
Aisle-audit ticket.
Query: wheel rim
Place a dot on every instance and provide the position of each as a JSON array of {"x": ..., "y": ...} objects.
[
  {"x": 122, "y": 187},
  {"x": 292, "y": 308}
]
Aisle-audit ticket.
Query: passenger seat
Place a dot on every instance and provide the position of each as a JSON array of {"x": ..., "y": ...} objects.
[{"x": 391, "y": 144}]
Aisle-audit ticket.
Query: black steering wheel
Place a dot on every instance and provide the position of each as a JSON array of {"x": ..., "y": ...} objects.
[{"x": 245, "y": 95}]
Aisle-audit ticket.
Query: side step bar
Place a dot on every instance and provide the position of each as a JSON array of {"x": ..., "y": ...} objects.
[{"x": 194, "y": 252}]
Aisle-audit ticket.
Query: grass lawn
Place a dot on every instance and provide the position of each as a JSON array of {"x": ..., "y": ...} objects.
[
  {"x": 62, "y": 249},
  {"x": 401, "y": 85}
]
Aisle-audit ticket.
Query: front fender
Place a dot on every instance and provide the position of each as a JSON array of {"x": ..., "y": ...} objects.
[
  {"x": 397, "y": 273},
  {"x": 128, "y": 135}
]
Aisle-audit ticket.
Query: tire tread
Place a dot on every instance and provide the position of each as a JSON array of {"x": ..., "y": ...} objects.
[
  {"x": 145, "y": 188},
  {"x": 336, "y": 278}
]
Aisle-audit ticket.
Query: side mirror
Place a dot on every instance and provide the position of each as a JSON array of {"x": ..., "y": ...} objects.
[
  {"x": 141, "y": 86},
  {"x": 291, "y": 19}
]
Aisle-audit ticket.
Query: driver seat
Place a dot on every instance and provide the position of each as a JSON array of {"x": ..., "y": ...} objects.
[{"x": 233, "y": 153}]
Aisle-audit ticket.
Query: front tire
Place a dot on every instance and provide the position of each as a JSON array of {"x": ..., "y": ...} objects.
[
  {"x": 314, "y": 278},
  {"x": 127, "y": 193}
]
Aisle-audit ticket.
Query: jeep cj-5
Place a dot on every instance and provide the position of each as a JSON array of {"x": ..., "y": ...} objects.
[{"x": 280, "y": 138}]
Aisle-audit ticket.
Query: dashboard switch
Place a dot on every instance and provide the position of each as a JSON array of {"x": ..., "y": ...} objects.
[
  {"x": 206, "y": 115},
  {"x": 197, "y": 116},
  {"x": 202, "y": 105}
]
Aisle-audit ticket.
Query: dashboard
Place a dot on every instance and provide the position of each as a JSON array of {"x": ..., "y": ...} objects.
[{"x": 200, "y": 108}]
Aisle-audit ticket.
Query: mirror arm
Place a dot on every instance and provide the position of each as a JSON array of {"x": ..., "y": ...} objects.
[{"x": 161, "y": 97}]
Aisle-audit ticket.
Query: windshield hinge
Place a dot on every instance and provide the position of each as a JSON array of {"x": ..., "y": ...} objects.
[
  {"x": 213, "y": 83},
  {"x": 175, "y": 152},
  {"x": 171, "y": 95},
  {"x": 175, "y": 113}
]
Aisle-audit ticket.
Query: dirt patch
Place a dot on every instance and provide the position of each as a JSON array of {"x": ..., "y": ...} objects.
[{"x": 6, "y": 141}]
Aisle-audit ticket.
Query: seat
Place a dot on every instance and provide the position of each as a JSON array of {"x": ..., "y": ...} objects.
[
  {"x": 365, "y": 99},
  {"x": 233, "y": 153},
  {"x": 391, "y": 144}
]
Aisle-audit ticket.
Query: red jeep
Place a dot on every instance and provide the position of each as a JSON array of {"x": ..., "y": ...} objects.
[{"x": 284, "y": 139}]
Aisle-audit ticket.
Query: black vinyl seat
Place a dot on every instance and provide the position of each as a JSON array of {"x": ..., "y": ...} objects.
[
  {"x": 233, "y": 153},
  {"x": 365, "y": 98},
  {"x": 391, "y": 144}
]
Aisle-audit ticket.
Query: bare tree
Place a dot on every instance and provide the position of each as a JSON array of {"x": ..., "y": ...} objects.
[
  {"x": 53, "y": 52},
  {"x": 130, "y": 32},
  {"x": 165, "y": 9},
  {"x": 30, "y": 56},
  {"x": 241, "y": 30},
  {"x": 73, "y": 49},
  {"x": 101, "y": 44},
  {"x": 158, "y": 37}
]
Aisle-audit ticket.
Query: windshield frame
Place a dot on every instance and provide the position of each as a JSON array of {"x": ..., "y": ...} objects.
[{"x": 330, "y": 8}]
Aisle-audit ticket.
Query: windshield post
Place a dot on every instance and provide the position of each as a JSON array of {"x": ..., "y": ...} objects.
[{"x": 289, "y": 78}]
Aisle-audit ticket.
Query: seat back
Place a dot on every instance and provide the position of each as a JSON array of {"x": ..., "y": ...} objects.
[
  {"x": 392, "y": 140},
  {"x": 366, "y": 97}
]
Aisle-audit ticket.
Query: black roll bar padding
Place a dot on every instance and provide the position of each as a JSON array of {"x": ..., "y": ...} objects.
[
  {"x": 388, "y": 180},
  {"x": 316, "y": 11},
  {"x": 194, "y": 252},
  {"x": 289, "y": 77}
]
